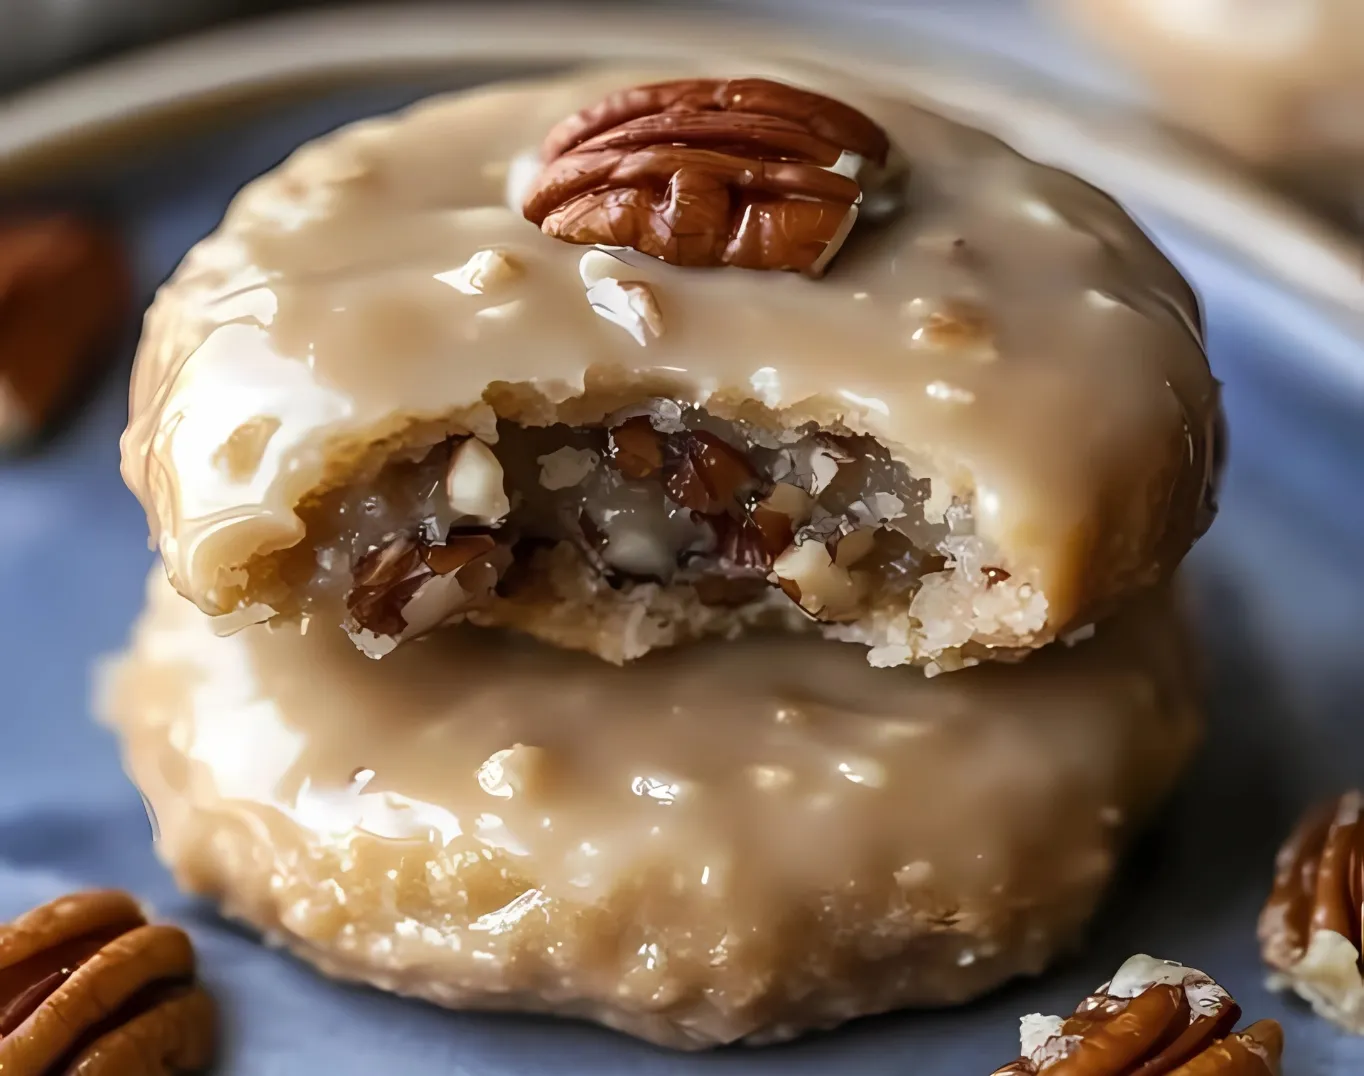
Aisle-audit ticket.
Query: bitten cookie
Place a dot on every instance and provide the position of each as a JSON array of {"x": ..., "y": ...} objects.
[{"x": 622, "y": 363}]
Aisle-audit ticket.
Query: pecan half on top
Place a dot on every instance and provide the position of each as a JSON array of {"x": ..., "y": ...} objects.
[
  {"x": 64, "y": 292},
  {"x": 1310, "y": 927},
  {"x": 1154, "y": 1018},
  {"x": 704, "y": 172},
  {"x": 88, "y": 987}
]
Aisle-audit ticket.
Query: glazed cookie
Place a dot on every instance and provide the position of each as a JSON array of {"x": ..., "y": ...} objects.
[
  {"x": 1279, "y": 82},
  {"x": 622, "y": 364},
  {"x": 728, "y": 841}
]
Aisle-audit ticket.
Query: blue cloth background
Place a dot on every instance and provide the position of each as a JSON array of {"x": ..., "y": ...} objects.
[{"x": 1279, "y": 588}]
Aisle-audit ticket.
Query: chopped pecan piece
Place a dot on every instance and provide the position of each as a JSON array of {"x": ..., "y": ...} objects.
[
  {"x": 631, "y": 304},
  {"x": 1310, "y": 927},
  {"x": 474, "y": 483},
  {"x": 809, "y": 576},
  {"x": 637, "y": 448},
  {"x": 384, "y": 580},
  {"x": 407, "y": 586},
  {"x": 705, "y": 172},
  {"x": 1155, "y": 1018},
  {"x": 776, "y": 529},
  {"x": 87, "y": 986},
  {"x": 699, "y": 470},
  {"x": 64, "y": 292},
  {"x": 707, "y": 474}
]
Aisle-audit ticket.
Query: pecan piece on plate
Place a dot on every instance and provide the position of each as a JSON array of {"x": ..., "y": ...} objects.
[
  {"x": 703, "y": 172},
  {"x": 1154, "y": 1018},
  {"x": 64, "y": 291},
  {"x": 88, "y": 986},
  {"x": 1311, "y": 925}
]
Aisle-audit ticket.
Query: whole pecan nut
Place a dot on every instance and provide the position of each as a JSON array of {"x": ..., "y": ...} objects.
[
  {"x": 64, "y": 291},
  {"x": 88, "y": 987},
  {"x": 1154, "y": 1018},
  {"x": 1311, "y": 926},
  {"x": 704, "y": 172}
]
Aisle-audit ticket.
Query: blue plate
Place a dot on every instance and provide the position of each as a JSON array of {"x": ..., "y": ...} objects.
[{"x": 1279, "y": 589}]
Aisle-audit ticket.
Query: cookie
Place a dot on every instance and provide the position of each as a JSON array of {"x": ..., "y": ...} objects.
[
  {"x": 622, "y": 364},
  {"x": 721, "y": 842}
]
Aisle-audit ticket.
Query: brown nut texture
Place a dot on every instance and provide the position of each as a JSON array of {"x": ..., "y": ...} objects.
[
  {"x": 1154, "y": 1018},
  {"x": 1310, "y": 928},
  {"x": 64, "y": 290},
  {"x": 89, "y": 988},
  {"x": 707, "y": 172},
  {"x": 392, "y": 575}
]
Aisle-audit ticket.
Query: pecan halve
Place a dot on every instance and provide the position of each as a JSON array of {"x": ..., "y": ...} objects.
[
  {"x": 64, "y": 290},
  {"x": 706, "y": 172},
  {"x": 1310, "y": 928},
  {"x": 88, "y": 987},
  {"x": 1154, "y": 1018}
]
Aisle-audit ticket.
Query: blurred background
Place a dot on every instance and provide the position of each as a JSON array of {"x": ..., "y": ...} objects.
[{"x": 1277, "y": 84}]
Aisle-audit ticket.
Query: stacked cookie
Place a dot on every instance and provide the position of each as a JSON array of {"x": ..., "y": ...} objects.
[{"x": 618, "y": 519}]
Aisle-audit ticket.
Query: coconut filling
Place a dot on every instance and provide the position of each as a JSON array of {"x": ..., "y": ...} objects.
[{"x": 730, "y": 516}]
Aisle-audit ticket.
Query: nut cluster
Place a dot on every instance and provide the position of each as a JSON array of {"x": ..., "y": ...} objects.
[
  {"x": 64, "y": 291},
  {"x": 87, "y": 986},
  {"x": 764, "y": 526},
  {"x": 1310, "y": 928},
  {"x": 1154, "y": 1018},
  {"x": 704, "y": 172},
  {"x": 706, "y": 475},
  {"x": 812, "y": 515}
]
